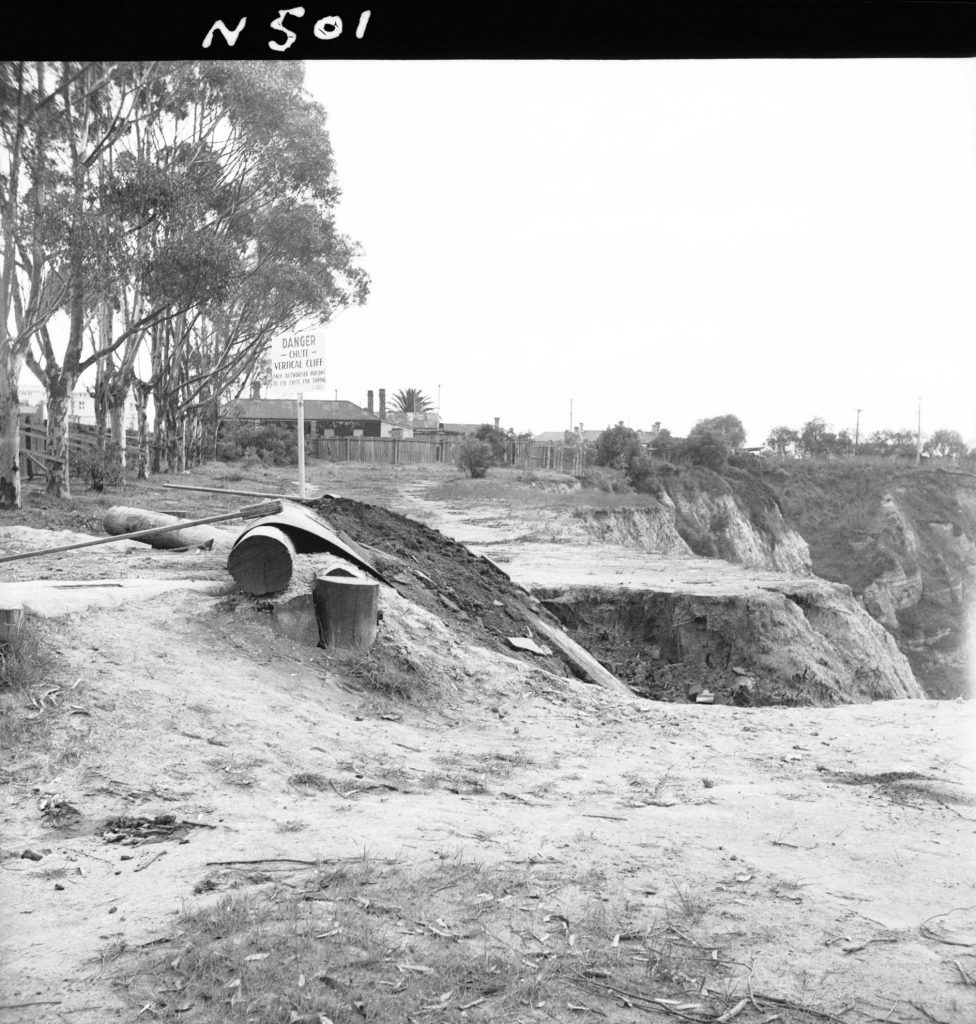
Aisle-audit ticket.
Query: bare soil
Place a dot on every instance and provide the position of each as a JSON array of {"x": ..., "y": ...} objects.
[{"x": 822, "y": 856}]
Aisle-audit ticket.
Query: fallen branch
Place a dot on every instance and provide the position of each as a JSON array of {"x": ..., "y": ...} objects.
[
  {"x": 152, "y": 860},
  {"x": 958, "y": 814},
  {"x": 734, "y": 1012},
  {"x": 35, "y": 1002},
  {"x": 790, "y": 1005}
]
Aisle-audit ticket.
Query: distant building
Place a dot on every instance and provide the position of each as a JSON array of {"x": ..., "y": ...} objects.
[
  {"x": 589, "y": 437},
  {"x": 81, "y": 406},
  {"x": 322, "y": 418}
]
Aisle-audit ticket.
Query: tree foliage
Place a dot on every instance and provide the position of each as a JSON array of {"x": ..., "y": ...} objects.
[
  {"x": 727, "y": 428},
  {"x": 412, "y": 400},
  {"x": 617, "y": 446},
  {"x": 179, "y": 215}
]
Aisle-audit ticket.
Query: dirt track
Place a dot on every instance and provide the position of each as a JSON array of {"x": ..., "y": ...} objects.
[{"x": 815, "y": 843}]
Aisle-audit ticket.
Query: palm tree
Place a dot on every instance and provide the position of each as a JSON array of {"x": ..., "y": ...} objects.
[{"x": 412, "y": 400}]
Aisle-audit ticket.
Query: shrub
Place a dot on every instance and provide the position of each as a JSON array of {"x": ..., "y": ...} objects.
[
  {"x": 603, "y": 478},
  {"x": 269, "y": 443},
  {"x": 616, "y": 446},
  {"x": 707, "y": 449},
  {"x": 99, "y": 469},
  {"x": 474, "y": 457}
]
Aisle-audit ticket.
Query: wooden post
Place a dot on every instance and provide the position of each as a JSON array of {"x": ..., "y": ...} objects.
[
  {"x": 347, "y": 611},
  {"x": 301, "y": 445},
  {"x": 11, "y": 620},
  {"x": 263, "y": 560}
]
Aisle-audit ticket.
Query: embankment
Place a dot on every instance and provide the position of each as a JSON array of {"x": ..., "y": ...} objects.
[
  {"x": 788, "y": 642},
  {"x": 904, "y": 540}
]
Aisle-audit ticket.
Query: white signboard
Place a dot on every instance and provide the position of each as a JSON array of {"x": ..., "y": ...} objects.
[{"x": 298, "y": 361}]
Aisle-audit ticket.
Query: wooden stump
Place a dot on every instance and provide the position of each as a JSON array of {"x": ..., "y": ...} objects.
[
  {"x": 119, "y": 519},
  {"x": 262, "y": 561},
  {"x": 11, "y": 621},
  {"x": 347, "y": 610}
]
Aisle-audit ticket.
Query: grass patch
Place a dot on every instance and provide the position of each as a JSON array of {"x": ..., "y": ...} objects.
[
  {"x": 386, "y": 942},
  {"x": 508, "y": 487},
  {"x": 391, "y": 671},
  {"x": 37, "y": 735},
  {"x": 26, "y": 660}
]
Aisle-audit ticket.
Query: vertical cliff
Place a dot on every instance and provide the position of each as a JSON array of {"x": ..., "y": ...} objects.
[{"x": 904, "y": 540}]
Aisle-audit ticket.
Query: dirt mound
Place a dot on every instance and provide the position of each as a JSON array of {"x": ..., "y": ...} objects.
[{"x": 467, "y": 591}]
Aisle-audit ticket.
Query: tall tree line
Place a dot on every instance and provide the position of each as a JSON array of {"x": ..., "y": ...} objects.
[{"x": 159, "y": 222}]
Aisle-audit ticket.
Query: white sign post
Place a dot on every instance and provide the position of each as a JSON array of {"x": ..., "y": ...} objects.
[{"x": 297, "y": 363}]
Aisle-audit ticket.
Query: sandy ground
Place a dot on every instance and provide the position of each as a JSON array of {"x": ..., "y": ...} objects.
[{"x": 831, "y": 853}]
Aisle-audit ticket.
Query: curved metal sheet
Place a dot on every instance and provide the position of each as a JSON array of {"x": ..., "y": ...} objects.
[{"x": 310, "y": 532}]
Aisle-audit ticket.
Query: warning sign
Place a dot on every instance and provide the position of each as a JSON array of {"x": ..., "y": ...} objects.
[{"x": 298, "y": 361}]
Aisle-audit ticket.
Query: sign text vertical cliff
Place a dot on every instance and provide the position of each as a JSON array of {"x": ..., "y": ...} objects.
[{"x": 297, "y": 363}]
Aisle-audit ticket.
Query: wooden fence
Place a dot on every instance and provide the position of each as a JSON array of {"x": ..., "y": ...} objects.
[
  {"x": 33, "y": 444},
  {"x": 394, "y": 451},
  {"x": 562, "y": 458},
  {"x": 408, "y": 451}
]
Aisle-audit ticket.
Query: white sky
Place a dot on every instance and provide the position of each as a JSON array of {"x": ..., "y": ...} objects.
[{"x": 661, "y": 240}]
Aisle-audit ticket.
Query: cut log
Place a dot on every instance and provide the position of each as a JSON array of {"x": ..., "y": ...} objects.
[
  {"x": 262, "y": 561},
  {"x": 11, "y": 621},
  {"x": 581, "y": 659},
  {"x": 120, "y": 519},
  {"x": 347, "y": 609},
  {"x": 293, "y": 613}
]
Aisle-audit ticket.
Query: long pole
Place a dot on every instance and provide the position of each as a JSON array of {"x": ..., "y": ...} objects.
[
  {"x": 570, "y": 415},
  {"x": 267, "y": 508},
  {"x": 301, "y": 445},
  {"x": 857, "y": 430},
  {"x": 918, "y": 436}
]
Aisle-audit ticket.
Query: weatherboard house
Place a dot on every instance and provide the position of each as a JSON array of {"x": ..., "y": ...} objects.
[{"x": 322, "y": 418}]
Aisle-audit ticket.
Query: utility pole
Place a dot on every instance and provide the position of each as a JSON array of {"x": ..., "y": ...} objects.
[
  {"x": 918, "y": 436},
  {"x": 570, "y": 415},
  {"x": 857, "y": 430},
  {"x": 438, "y": 407}
]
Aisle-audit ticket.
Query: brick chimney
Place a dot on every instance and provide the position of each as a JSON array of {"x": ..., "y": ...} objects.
[
  {"x": 497, "y": 418},
  {"x": 255, "y": 389},
  {"x": 369, "y": 401},
  {"x": 382, "y": 403}
]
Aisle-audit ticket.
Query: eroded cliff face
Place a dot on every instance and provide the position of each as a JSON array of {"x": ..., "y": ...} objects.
[
  {"x": 794, "y": 642},
  {"x": 734, "y": 517},
  {"x": 905, "y": 542}
]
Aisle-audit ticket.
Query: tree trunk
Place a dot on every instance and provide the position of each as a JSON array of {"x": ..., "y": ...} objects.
[
  {"x": 120, "y": 519},
  {"x": 10, "y": 369},
  {"x": 159, "y": 433},
  {"x": 58, "y": 401},
  {"x": 141, "y": 393},
  {"x": 116, "y": 414}
]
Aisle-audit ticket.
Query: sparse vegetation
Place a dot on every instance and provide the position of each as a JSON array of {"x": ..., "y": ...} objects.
[
  {"x": 257, "y": 442},
  {"x": 474, "y": 457},
  {"x": 388, "y": 670},
  {"x": 26, "y": 661},
  {"x": 457, "y": 940}
]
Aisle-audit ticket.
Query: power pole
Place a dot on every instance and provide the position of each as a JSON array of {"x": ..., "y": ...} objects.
[
  {"x": 857, "y": 430},
  {"x": 570, "y": 415},
  {"x": 918, "y": 436}
]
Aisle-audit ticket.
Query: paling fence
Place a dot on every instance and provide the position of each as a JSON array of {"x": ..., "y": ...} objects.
[
  {"x": 405, "y": 451},
  {"x": 393, "y": 451},
  {"x": 563, "y": 458}
]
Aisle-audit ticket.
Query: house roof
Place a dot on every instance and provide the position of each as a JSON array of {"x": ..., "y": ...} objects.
[
  {"x": 284, "y": 409},
  {"x": 461, "y": 428}
]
